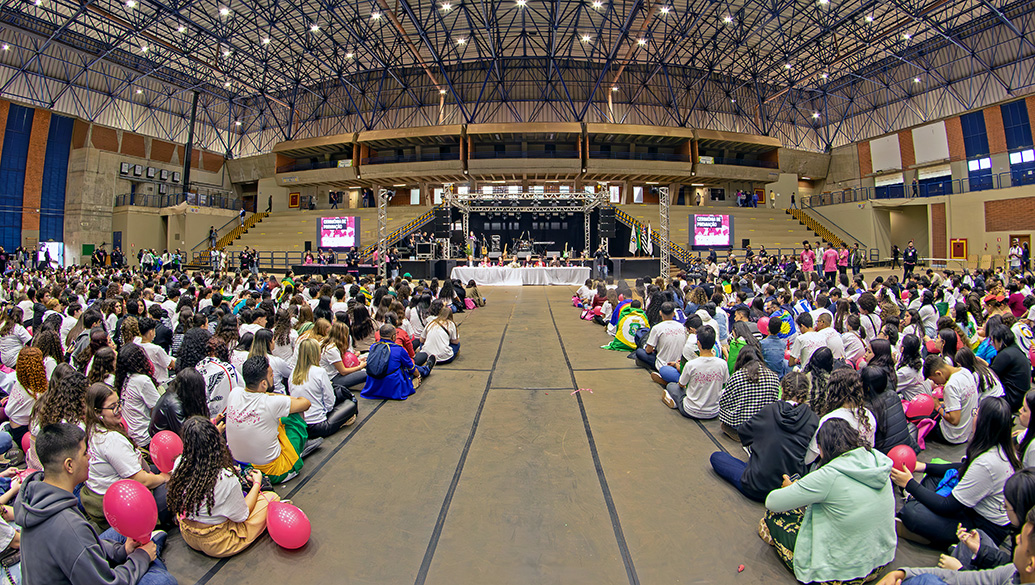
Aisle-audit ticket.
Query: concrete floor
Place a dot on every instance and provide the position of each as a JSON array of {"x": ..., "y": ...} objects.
[{"x": 495, "y": 472}]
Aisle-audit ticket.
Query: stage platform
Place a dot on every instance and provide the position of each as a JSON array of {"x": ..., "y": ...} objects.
[
  {"x": 628, "y": 268},
  {"x": 506, "y": 276}
]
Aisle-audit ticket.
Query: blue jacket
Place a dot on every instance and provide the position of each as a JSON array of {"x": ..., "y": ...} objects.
[{"x": 398, "y": 384}]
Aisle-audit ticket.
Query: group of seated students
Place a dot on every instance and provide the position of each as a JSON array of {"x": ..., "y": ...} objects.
[
  {"x": 252, "y": 372},
  {"x": 816, "y": 380}
]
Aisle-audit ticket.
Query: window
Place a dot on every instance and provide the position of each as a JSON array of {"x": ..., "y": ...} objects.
[
  {"x": 1024, "y": 156},
  {"x": 979, "y": 164},
  {"x": 975, "y": 138},
  {"x": 1016, "y": 125},
  {"x": 1022, "y": 167}
]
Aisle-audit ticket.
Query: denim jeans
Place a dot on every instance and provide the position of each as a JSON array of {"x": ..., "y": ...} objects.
[
  {"x": 645, "y": 360},
  {"x": 669, "y": 374},
  {"x": 156, "y": 574},
  {"x": 731, "y": 469},
  {"x": 6, "y": 442},
  {"x": 925, "y": 579}
]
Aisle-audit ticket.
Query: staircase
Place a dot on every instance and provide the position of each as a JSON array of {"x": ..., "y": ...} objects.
[
  {"x": 200, "y": 257},
  {"x": 398, "y": 234},
  {"x": 678, "y": 255},
  {"x": 820, "y": 230}
]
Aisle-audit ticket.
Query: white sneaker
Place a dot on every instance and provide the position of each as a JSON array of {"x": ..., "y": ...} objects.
[{"x": 669, "y": 402}]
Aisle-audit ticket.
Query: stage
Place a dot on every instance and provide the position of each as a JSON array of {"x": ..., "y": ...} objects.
[
  {"x": 619, "y": 268},
  {"x": 506, "y": 276}
]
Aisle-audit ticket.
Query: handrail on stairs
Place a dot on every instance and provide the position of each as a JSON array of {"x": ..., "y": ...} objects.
[
  {"x": 205, "y": 241},
  {"x": 831, "y": 222}
]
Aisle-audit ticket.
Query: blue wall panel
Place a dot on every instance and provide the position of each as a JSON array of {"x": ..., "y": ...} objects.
[
  {"x": 12, "y": 175},
  {"x": 55, "y": 173}
]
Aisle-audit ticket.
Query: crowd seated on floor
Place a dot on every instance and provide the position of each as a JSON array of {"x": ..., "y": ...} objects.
[
  {"x": 833, "y": 386},
  {"x": 251, "y": 371}
]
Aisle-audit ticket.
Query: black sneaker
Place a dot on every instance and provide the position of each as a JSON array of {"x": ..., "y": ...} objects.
[{"x": 430, "y": 363}]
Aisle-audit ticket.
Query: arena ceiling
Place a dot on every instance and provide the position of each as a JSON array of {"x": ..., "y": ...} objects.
[{"x": 812, "y": 73}]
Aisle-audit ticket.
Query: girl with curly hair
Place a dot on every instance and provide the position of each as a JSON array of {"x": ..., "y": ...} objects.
[
  {"x": 30, "y": 384},
  {"x": 49, "y": 343},
  {"x": 113, "y": 456},
  {"x": 193, "y": 349},
  {"x": 217, "y": 519},
  {"x": 134, "y": 376},
  {"x": 64, "y": 401},
  {"x": 845, "y": 400},
  {"x": 228, "y": 331},
  {"x": 129, "y": 331},
  {"x": 102, "y": 369}
]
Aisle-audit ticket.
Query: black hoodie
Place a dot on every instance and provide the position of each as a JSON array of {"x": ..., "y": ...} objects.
[
  {"x": 779, "y": 436},
  {"x": 60, "y": 546}
]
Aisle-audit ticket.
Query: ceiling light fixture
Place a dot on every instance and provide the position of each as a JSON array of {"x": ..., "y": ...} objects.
[
  {"x": 265, "y": 40},
  {"x": 786, "y": 65},
  {"x": 237, "y": 123},
  {"x": 596, "y": 4},
  {"x": 906, "y": 36},
  {"x": 447, "y": 6},
  {"x": 375, "y": 15},
  {"x": 461, "y": 41},
  {"x": 614, "y": 88},
  {"x": 585, "y": 38},
  {"x": 224, "y": 11},
  {"x": 824, "y": 75},
  {"x": 442, "y": 92},
  {"x": 641, "y": 42},
  {"x": 227, "y": 84},
  {"x": 727, "y": 19},
  {"x": 143, "y": 48},
  {"x": 733, "y": 100},
  {"x": 226, "y": 53},
  {"x": 666, "y": 9},
  {"x": 916, "y": 80},
  {"x": 131, "y": 3},
  {"x": 521, "y": 3},
  {"x": 869, "y": 18},
  {"x": 6, "y": 47},
  {"x": 349, "y": 55},
  {"x": 139, "y": 91},
  {"x": 815, "y": 115},
  {"x": 314, "y": 28},
  {"x": 181, "y": 29}
]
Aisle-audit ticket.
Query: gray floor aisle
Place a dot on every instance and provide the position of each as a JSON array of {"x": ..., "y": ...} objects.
[{"x": 497, "y": 471}]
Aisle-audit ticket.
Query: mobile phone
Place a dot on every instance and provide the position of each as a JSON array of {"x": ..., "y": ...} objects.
[{"x": 795, "y": 477}]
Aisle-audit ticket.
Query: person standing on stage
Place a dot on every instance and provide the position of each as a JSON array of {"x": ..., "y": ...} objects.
[{"x": 600, "y": 261}]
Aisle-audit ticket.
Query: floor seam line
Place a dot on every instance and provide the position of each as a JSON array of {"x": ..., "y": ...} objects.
[
  {"x": 616, "y": 524},
  {"x": 436, "y": 534}
]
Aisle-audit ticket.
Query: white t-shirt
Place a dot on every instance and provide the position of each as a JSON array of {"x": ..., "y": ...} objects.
[
  {"x": 159, "y": 359},
  {"x": 981, "y": 487},
  {"x": 318, "y": 390},
  {"x": 252, "y": 425},
  {"x": 871, "y": 325},
  {"x": 847, "y": 415},
  {"x": 112, "y": 457},
  {"x": 220, "y": 379},
  {"x": 703, "y": 378},
  {"x": 910, "y": 383},
  {"x": 328, "y": 357},
  {"x": 806, "y": 344},
  {"x": 237, "y": 358},
  {"x": 667, "y": 338},
  {"x": 286, "y": 352},
  {"x": 229, "y": 502},
  {"x": 961, "y": 394},
  {"x": 12, "y": 343},
  {"x": 690, "y": 349},
  {"x": 138, "y": 398},
  {"x": 27, "y": 309},
  {"x": 341, "y": 307},
  {"x": 834, "y": 342},
  {"x": 19, "y": 405},
  {"x": 437, "y": 338},
  {"x": 252, "y": 328}
]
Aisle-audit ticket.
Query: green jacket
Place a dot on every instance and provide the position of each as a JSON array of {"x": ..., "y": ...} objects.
[{"x": 849, "y": 524}]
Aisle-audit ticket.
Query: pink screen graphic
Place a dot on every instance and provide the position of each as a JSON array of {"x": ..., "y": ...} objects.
[
  {"x": 337, "y": 232},
  {"x": 712, "y": 230}
]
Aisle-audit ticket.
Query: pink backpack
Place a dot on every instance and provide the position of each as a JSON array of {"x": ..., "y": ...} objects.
[{"x": 469, "y": 304}]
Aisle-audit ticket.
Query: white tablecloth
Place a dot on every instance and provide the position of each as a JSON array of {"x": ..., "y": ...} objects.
[{"x": 502, "y": 276}]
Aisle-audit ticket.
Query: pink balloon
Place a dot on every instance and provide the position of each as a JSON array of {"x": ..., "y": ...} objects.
[
  {"x": 26, "y": 442},
  {"x": 165, "y": 447},
  {"x": 903, "y": 457},
  {"x": 763, "y": 325},
  {"x": 938, "y": 393},
  {"x": 289, "y": 527},
  {"x": 131, "y": 510},
  {"x": 921, "y": 406}
]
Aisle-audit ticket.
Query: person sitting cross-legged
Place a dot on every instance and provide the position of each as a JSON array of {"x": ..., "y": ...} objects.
[
  {"x": 696, "y": 394},
  {"x": 664, "y": 345},
  {"x": 264, "y": 429},
  {"x": 58, "y": 544},
  {"x": 398, "y": 381}
]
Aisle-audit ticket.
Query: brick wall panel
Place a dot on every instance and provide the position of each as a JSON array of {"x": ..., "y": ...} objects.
[
  {"x": 133, "y": 145},
  {"x": 33, "y": 190},
  {"x": 1005, "y": 215},
  {"x": 865, "y": 162},
  {"x": 994, "y": 128},
  {"x": 938, "y": 240},
  {"x": 211, "y": 162},
  {"x": 954, "y": 131},
  {"x": 79, "y": 131},
  {"x": 905, "y": 147},
  {"x": 105, "y": 138},
  {"x": 162, "y": 151}
]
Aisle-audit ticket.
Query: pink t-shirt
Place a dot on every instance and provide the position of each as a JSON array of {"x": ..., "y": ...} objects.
[
  {"x": 808, "y": 259},
  {"x": 842, "y": 257},
  {"x": 830, "y": 260}
]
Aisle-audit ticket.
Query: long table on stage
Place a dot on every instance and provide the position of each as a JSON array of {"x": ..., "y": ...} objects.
[
  {"x": 504, "y": 276},
  {"x": 332, "y": 269}
]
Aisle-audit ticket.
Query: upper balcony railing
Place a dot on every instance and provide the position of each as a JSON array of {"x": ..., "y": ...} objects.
[
  {"x": 931, "y": 189},
  {"x": 196, "y": 199},
  {"x": 622, "y": 155},
  {"x": 740, "y": 162},
  {"x": 406, "y": 158},
  {"x": 525, "y": 154}
]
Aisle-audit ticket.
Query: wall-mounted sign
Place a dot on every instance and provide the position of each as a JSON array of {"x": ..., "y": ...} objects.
[
  {"x": 706, "y": 160},
  {"x": 176, "y": 176},
  {"x": 344, "y": 163},
  {"x": 164, "y": 175},
  {"x": 151, "y": 172},
  {"x": 138, "y": 170},
  {"x": 124, "y": 168}
]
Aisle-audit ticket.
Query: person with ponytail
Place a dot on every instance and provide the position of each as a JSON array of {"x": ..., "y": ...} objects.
[
  {"x": 216, "y": 517},
  {"x": 134, "y": 377},
  {"x": 976, "y": 501},
  {"x": 13, "y": 336}
]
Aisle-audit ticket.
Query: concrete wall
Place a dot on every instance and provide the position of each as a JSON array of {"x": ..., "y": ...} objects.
[
  {"x": 911, "y": 222},
  {"x": 252, "y": 168},
  {"x": 782, "y": 189},
  {"x": 844, "y": 167},
  {"x": 804, "y": 164},
  {"x": 164, "y": 229},
  {"x": 141, "y": 227}
]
